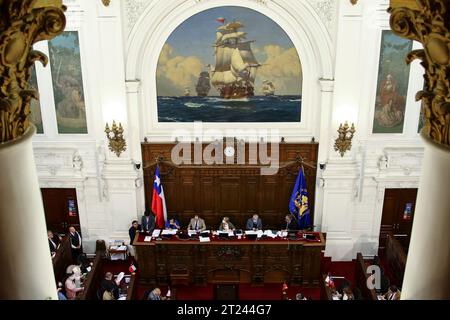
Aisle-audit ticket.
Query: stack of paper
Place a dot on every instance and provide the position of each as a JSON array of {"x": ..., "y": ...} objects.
[
  {"x": 156, "y": 233},
  {"x": 204, "y": 239},
  {"x": 270, "y": 234},
  {"x": 147, "y": 239},
  {"x": 191, "y": 232}
]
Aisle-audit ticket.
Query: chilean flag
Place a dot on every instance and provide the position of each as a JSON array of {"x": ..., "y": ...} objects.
[
  {"x": 221, "y": 20},
  {"x": 159, "y": 202}
]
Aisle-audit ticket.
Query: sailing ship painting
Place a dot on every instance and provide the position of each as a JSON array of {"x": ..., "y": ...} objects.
[
  {"x": 228, "y": 54},
  {"x": 268, "y": 88},
  {"x": 203, "y": 84}
]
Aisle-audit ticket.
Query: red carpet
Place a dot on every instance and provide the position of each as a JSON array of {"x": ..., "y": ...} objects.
[{"x": 267, "y": 292}]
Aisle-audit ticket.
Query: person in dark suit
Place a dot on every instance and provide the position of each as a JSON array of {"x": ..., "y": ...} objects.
[
  {"x": 135, "y": 227},
  {"x": 75, "y": 243},
  {"x": 53, "y": 242},
  {"x": 155, "y": 294},
  {"x": 289, "y": 223},
  {"x": 254, "y": 223},
  {"x": 148, "y": 222},
  {"x": 109, "y": 284}
]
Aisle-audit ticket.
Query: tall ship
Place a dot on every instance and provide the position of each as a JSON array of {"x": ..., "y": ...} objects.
[
  {"x": 203, "y": 84},
  {"x": 268, "y": 88},
  {"x": 236, "y": 66}
]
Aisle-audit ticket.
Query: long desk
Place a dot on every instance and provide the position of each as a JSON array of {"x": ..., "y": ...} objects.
[{"x": 230, "y": 261}]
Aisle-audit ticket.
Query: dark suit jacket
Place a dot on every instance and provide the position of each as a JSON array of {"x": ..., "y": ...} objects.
[
  {"x": 249, "y": 225},
  {"x": 292, "y": 225},
  {"x": 50, "y": 244},
  {"x": 132, "y": 232},
  {"x": 149, "y": 225}
]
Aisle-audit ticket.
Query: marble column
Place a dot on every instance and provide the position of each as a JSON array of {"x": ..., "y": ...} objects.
[
  {"x": 25, "y": 258},
  {"x": 427, "y": 267}
]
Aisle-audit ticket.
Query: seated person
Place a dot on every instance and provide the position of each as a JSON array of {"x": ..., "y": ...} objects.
[
  {"x": 197, "y": 224},
  {"x": 226, "y": 225},
  {"x": 172, "y": 224},
  {"x": 61, "y": 295},
  {"x": 393, "y": 293},
  {"x": 289, "y": 223},
  {"x": 109, "y": 283},
  {"x": 53, "y": 241},
  {"x": 84, "y": 263},
  {"x": 155, "y": 294},
  {"x": 300, "y": 296},
  {"x": 71, "y": 284},
  {"x": 347, "y": 294},
  {"x": 254, "y": 223},
  {"x": 135, "y": 227},
  {"x": 148, "y": 222}
]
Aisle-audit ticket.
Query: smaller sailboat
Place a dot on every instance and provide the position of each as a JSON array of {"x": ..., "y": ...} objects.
[
  {"x": 268, "y": 88},
  {"x": 203, "y": 84},
  {"x": 187, "y": 92}
]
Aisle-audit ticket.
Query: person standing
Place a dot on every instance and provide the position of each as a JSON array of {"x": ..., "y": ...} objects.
[
  {"x": 53, "y": 242},
  {"x": 148, "y": 222},
  {"x": 75, "y": 243}
]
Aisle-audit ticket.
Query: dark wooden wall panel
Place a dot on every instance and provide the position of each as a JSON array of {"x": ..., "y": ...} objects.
[{"x": 232, "y": 190}]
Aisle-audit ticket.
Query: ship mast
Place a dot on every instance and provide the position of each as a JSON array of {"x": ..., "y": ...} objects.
[{"x": 236, "y": 65}]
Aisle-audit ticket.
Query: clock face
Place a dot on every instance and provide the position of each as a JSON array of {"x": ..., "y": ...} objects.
[{"x": 229, "y": 151}]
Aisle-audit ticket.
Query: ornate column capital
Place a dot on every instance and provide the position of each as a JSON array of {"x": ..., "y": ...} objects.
[
  {"x": 23, "y": 23},
  {"x": 429, "y": 23}
]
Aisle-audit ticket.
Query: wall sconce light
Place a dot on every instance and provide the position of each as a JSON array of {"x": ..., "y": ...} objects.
[
  {"x": 117, "y": 143},
  {"x": 354, "y": 2},
  {"x": 343, "y": 142},
  {"x": 106, "y": 2}
]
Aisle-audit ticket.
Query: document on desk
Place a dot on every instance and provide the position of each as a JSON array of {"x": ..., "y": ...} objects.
[
  {"x": 120, "y": 277},
  {"x": 204, "y": 239},
  {"x": 156, "y": 233},
  {"x": 147, "y": 239},
  {"x": 169, "y": 232},
  {"x": 191, "y": 232}
]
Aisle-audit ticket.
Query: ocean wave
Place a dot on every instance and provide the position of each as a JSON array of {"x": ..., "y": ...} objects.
[
  {"x": 222, "y": 107},
  {"x": 295, "y": 100},
  {"x": 227, "y": 100},
  {"x": 193, "y": 105},
  {"x": 167, "y": 119},
  {"x": 166, "y": 98}
]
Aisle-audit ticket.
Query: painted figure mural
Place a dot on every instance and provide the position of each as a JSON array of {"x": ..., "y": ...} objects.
[
  {"x": 68, "y": 83},
  {"x": 229, "y": 64},
  {"x": 35, "y": 106},
  {"x": 392, "y": 88}
]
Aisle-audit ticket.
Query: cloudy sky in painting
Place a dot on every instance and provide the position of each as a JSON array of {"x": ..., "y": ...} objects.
[{"x": 189, "y": 49}]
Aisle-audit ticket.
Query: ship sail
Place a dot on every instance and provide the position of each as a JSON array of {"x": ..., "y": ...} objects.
[{"x": 236, "y": 66}]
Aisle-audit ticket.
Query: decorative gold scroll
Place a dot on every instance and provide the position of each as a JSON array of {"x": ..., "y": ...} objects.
[
  {"x": 23, "y": 23},
  {"x": 428, "y": 21}
]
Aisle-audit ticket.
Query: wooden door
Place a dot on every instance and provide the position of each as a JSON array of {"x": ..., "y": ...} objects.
[
  {"x": 61, "y": 209},
  {"x": 398, "y": 213}
]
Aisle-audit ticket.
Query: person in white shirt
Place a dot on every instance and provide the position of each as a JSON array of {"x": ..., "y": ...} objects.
[{"x": 75, "y": 243}]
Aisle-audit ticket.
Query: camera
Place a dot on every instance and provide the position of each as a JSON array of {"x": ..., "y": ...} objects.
[
  {"x": 137, "y": 164},
  {"x": 322, "y": 166}
]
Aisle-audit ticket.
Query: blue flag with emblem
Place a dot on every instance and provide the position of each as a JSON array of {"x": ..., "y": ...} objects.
[{"x": 299, "y": 205}]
